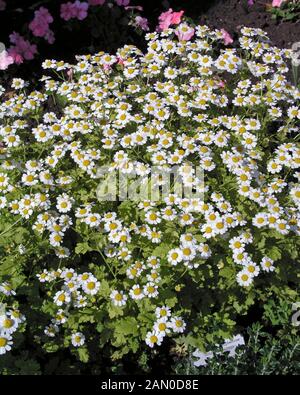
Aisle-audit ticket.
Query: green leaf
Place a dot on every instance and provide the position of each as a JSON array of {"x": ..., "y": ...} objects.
[
  {"x": 83, "y": 354},
  {"x": 82, "y": 248},
  {"x": 114, "y": 311},
  {"x": 274, "y": 253}
]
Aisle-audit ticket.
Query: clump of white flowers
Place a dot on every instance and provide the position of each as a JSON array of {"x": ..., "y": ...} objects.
[
  {"x": 189, "y": 102},
  {"x": 10, "y": 319}
]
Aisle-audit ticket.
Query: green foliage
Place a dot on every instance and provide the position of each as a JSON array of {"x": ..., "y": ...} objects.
[
  {"x": 289, "y": 11},
  {"x": 272, "y": 346}
]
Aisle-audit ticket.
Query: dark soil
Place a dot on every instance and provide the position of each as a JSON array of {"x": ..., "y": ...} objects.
[{"x": 232, "y": 14}]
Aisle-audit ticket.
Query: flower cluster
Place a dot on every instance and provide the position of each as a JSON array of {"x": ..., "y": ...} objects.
[
  {"x": 76, "y": 291},
  {"x": 10, "y": 319},
  {"x": 40, "y": 25},
  {"x": 168, "y": 18},
  {"x": 190, "y": 102},
  {"x": 164, "y": 324},
  {"x": 77, "y": 10},
  {"x": 22, "y": 48}
]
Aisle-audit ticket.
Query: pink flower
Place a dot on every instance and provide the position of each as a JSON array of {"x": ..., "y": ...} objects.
[
  {"x": 184, "y": 32},
  {"x": 221, "y": 84},
  {"x": 43, "y": 14},
  {"x": 16, "y": 56},
  {"x": 2, "y": 5},
  {"x": 120, "y": 61},
  {"x": 123, "y": 3},
  {"x": 67, "y": 11},
  {"x": 168, "y": 18},
  {"x": 40, "y": 24},
  {"x": 96, "y": 2},
  {"x": 165, "y": 21},
  {"x": 50, "y": 37},
  {"x": 81, "y": 9},
  {"x": 106, "y": 67},
  {"x": 250, "y": 2},
  {"x": 141, "y": 23},
  {"x": 226, "y": 37},
  {"x": 22, "y": 49},
  {"x": 70, "y": 74},
  {"x": 5, "y": 60},
  {"x": 176, "y": 17},
  {"x": 277, "y": 3},
  {"x": 74, "y": 10}
]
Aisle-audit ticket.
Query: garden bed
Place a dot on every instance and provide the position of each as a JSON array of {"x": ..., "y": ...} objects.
[
  {"x": 204, "y": 278},
  {"x": 232, "y": 14}
]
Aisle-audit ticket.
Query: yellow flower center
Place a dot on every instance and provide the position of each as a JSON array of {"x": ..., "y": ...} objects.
[
  {"x": 8, "y": 323},
  {"x": 61, "y": 298},
  {"x": 57, "y": 238},
  {"x": 153, "y": 339},
  {"x": 118, "y": 297},
  {"x": 91, "y": 285},
  {"x": 186, "y": 251}
]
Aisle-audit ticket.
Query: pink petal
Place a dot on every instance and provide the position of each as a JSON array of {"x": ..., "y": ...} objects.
[{"x": 226, "y": 37}]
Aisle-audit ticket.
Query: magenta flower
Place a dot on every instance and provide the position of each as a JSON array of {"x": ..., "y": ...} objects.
[
  {"x": 40, "y": 24},
  {"x": 5, "y": 60},
  {"x": 67, "y": 11},
  {"x": 43, "y": 14},
  {"x": 142, "y": 23},
  {"x": 76, "y": 10},
  {"x": 50, "y": 37},
  {"x": 226, "y": 37},
  {"x": 15, "y": 55},
  {"x": 22, "y": 49},
  {"x": 250, "y": 3},
  {"x": 81, "y": 9},
  {"x": 168, "y": 18}
]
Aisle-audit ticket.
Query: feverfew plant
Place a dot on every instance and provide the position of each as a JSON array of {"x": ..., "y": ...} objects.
[{"x": 126, "y": 275}]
